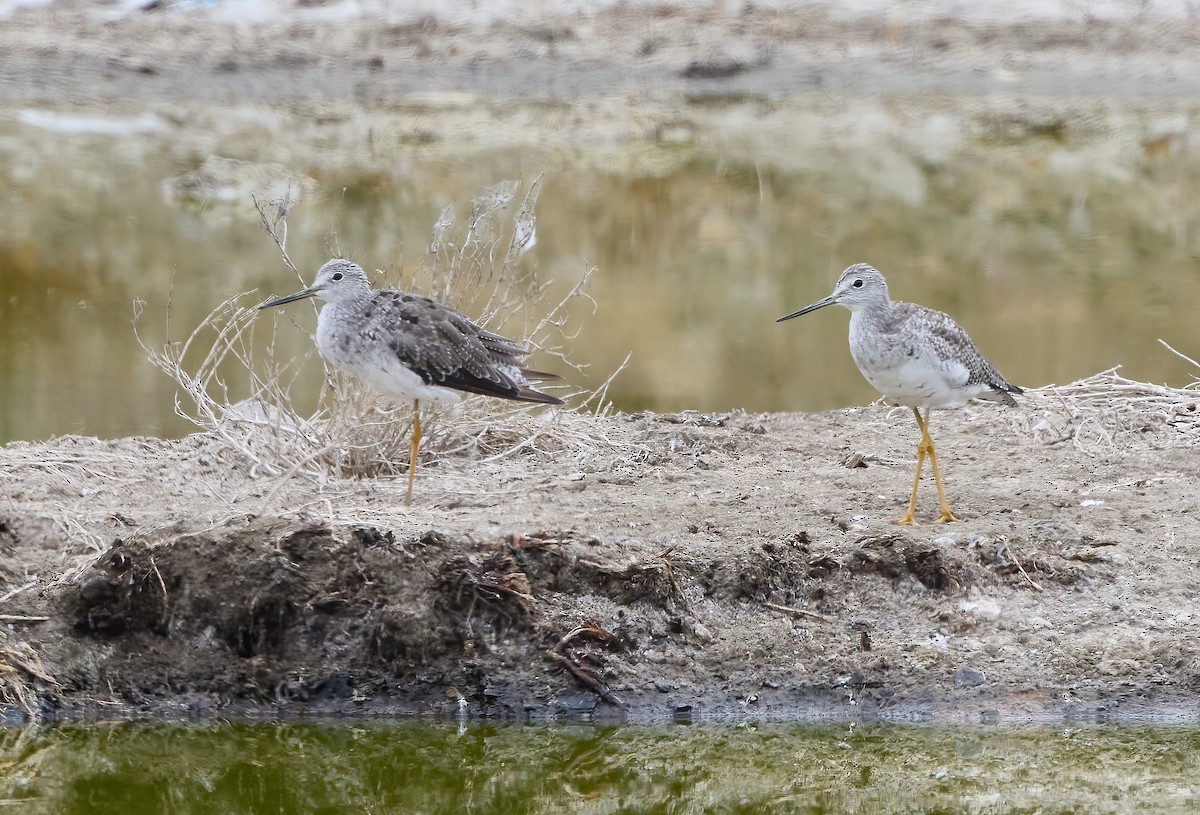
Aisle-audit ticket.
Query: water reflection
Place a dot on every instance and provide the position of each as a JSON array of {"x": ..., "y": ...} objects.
[
  {"x": 439, "y": 767},
  {"x": 1060, "y": 257}
]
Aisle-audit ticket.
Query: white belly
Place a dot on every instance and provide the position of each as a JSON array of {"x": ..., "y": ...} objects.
[
  {"x": 387, "y": 375},
  {"x": 917, "y": 357},
  {"x": 915, "y": 383}
]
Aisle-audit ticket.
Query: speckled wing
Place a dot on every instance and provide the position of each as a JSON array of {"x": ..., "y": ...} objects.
[
  {"x": 445, "y": 348},
  {"x": 955, "y": 351}
]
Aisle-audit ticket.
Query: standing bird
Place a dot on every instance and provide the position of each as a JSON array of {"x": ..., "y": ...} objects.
[
  {"x": 914, "y": 356},
  {"x": 411, "y": 347}
]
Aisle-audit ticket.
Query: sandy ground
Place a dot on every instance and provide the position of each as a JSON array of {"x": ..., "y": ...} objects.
[{"x": 675, "y": 566}]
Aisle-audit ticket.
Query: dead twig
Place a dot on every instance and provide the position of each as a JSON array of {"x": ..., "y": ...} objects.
[
  {"x": 1017, "y": 562},
  {"x": 1182, "y": 356},
  {"x": 166, "y": 601},
  {"x": 588, "y": 678},
  {"x": 11, "y": 593},
  {"x": 571, "y": 659},
  {"x": 276, "y": 223},
  {"x": 1093, "y": 412},
  {"x": 593, "y": 631}
]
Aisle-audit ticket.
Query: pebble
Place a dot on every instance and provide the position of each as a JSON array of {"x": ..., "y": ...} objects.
[{"x": 969, "y": 678}]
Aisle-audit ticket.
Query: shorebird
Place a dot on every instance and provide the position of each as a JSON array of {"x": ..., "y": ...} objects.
[
  {"x": 410, "y": 347},
  {"x": 916, "y": 357}
]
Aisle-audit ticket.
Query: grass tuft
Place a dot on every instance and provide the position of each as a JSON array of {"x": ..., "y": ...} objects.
[{"x": 474, "y": 264}]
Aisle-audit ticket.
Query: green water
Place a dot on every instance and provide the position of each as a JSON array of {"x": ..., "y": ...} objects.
[
  {"x": 417, "y": 767},
  {"x": 1061, "y": 256}
]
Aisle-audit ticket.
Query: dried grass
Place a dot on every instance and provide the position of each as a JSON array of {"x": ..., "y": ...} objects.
[
  {"x": 21, "y": 675},
  {"x": 1094, "y": 412},
  {"x": 77, "y": 468},
  {"x": 475, "y": 266}
]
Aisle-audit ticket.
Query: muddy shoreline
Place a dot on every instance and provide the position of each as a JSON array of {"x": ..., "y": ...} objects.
[{"x": 776, "y": 587}]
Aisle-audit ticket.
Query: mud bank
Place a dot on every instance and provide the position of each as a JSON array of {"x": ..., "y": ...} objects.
[{"x": 723, "y": 567}]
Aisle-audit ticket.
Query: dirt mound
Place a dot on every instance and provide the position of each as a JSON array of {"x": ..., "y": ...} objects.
[
  {"x": 277, "y": 614},
  {"x": 525, "y": 625}
]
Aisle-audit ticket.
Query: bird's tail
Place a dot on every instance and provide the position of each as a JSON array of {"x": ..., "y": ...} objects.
[
  {"x": 539, "y": 376},
  {"x": 1002, "y": 392},
  {"x": 531, "y": 395},
  {"x": 525, "y": 394}
]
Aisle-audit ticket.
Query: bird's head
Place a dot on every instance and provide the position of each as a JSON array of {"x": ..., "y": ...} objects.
[
  {"x": 337, "y": 280},
  {"x": 858, "y": 287}
]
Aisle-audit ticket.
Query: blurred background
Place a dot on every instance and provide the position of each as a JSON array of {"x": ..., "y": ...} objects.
[{"x": 719, "y": 166}]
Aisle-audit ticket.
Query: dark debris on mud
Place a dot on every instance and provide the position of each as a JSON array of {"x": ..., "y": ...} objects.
[{"x": 287, "y": 617}]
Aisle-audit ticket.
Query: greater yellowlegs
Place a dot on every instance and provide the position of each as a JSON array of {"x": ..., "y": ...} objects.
[
  {"x": 410, "y": 347},
  {"x": 916, "y": 357}
]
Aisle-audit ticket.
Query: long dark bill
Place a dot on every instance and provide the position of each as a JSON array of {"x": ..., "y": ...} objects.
[
  {"x": 291, "y": 298},
  {"x": 825, "y": 301}
]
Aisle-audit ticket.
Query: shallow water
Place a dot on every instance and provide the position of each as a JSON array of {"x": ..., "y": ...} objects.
[
  {"x": 440, "y": 767},
  {"x": 1063, "y": 252}
]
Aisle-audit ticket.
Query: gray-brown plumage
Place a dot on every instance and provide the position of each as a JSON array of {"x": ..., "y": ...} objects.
[
  {"x": 410, "y": 347},
  {"x": 888, "y": 344}
]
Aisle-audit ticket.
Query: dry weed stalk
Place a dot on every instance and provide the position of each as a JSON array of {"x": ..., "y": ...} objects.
[{"x": 353, "y": 432}]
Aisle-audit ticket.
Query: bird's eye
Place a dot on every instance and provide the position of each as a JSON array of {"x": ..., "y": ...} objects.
[
  {"x": 338, "y": 276},
  {"x": 858, "y": 284}
]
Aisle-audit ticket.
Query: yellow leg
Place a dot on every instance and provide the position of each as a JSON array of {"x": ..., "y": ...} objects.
[
  {"x": 416, "y": 441},
  {"x": 945, "y": 515},
  {"x": 910, "y": 517}
]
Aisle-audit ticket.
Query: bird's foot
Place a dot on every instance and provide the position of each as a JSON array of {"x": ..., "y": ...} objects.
[
  {"x": 945, "y": 516},
  {"x": 907, "y": 520}
]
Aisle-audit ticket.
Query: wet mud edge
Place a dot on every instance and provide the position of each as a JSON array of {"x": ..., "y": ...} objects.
[{"x": 276, "y": 618}]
